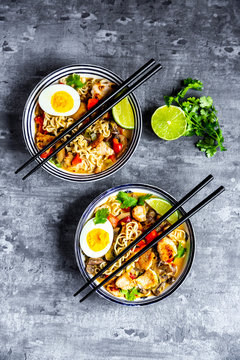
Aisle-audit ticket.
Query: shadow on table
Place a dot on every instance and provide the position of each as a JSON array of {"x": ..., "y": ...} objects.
[
  {"x": 19, "y": 91},
  {"x": 67, "y": 230}
]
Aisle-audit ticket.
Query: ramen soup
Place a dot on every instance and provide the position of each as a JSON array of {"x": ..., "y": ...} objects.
[
  {"x": 100, "y": 146},
  {"x": 119, "y": 221}
]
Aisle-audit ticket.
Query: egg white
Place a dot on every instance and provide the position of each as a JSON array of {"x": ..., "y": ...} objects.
[
  {"x": 90, "y": 225},
  {"x": 46, "y": 95}
]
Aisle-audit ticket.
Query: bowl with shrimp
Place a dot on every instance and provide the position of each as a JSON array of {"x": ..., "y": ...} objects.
[
  {"x": 60, "y": 99},
  {"x": 111, "y": 222}
]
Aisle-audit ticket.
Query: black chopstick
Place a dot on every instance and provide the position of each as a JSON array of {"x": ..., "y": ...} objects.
[
  {"x": 183, "y": 219},
  {"x": 102, "y": 102},
  {"x": 175, "y": 207},
  {"x": 112, "y": 103}
]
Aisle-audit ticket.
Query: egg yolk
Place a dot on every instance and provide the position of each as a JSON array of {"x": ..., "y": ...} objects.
[
  {"x": 61, "y": 101},
  {"x": 97, "y": 239}
]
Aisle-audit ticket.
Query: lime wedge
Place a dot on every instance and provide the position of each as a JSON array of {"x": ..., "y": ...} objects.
[
  {"x": 123, "y": 114},
  {"x": 169, "y": 123},
  {"x": 161, "y": 206}
]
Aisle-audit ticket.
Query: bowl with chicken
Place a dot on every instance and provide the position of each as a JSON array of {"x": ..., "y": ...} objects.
[
  {"x": 61, "y": 99},
  {"x": 115, "y": 219}
]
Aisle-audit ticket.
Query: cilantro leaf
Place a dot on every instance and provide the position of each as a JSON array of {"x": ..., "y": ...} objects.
[
  {"x": 74, "y": 80},
  {"x": 193, "y": 83},
  {"x": 142, "y": 198},
  {"x": 55, "y": 162},
  {"x": 206, "y": 101},
  {"x": 168, "y": 100},
  {"x": 126, "y": 200},
  {"x": 180, "y": 251},
  {"x": 130, "y": 294},
  {"x": 101, "y": 216}
]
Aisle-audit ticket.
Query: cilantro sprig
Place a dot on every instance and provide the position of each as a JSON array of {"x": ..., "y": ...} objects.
[
  {"x": 180, "y": 251},
  {"x": 74, "y": 81},
  {"x": 130, "y": 294},
  {"x": 126, "y": 200},
  {"x": 141, "y": 199},
  {"x": 201, "y": 117},
  {"x": 101, "y": 216}
]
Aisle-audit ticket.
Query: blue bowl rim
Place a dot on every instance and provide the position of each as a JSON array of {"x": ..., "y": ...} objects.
[
  {"x": 31, "y": 103},
  {"x": 83, "y": 220}
]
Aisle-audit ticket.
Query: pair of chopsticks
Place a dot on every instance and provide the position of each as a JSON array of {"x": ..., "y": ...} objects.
[
  {"x": 183, "y": 219},
  {"x": 123, "y": 90}
]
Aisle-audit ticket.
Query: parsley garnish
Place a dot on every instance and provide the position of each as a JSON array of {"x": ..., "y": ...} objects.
[
  {"x": 101, "y": 216},
  {"x": 74, "y": 80},
  {"x": 126, "y": 200},
  {"x": 130, "y": 294},
  {"x": 180, "y": 251},
  {"x": 142, "y": 198},
  {"x": 201, "y": 117}
]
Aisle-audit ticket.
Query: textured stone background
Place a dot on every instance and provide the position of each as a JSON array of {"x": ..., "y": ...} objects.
[{"x": 39, "y": 318}]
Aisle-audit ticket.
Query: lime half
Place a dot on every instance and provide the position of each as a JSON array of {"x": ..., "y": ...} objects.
[
  {"x": 169, "y": 123},
  {"x": 123, "y": 114},
  {"x": 161, "y": 206}
]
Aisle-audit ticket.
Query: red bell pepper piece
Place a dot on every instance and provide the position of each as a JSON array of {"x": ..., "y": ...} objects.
[
  {"x": 140, "y": 246},
  {"x": 113, "y": 220},
  {"x": 76, "y": 160},
  {"x": 46, "y": 153},
  {"x": 91, "y": 103},
  {"x": 153, "y": 234},
  {"x": 132, "y": 276},
  {"x": 127, "y": 219},
  {"x": 128, "y": 209},
  {"x": 117, "y": 146},
  {"x": 112, "y": 158},
  {"x": 39, "y": 122}
]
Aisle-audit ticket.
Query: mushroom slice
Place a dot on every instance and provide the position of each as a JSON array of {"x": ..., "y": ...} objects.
[
  {"x": 148, "y": 280},
  {"x": 92, "y": 264}
]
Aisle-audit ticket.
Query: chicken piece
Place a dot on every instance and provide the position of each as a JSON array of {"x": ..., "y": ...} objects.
[
  {"x": 125, "y": 282},
  {"x": 43, "y": 139},
  {"x": 98, "y": 140},
  {"x": 68, "y": 159},
  {"x": 145, "y": 261},
  {"x": 80, "y": 112},
  {"x": 166, "y": 249},
  {"x": 104, "y": 149},
  {"x": 102, "y": 88},
  {"x": 61, "y": 154},
  {"x": 148, "y": 280},
  {"x": 139, "y": 213}
]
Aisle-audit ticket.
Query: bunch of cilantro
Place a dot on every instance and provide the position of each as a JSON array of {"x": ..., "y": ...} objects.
[{"x": 201, "y": 117}]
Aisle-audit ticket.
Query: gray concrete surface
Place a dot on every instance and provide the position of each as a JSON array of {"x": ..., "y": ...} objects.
[{"x": 40, "y": 319}]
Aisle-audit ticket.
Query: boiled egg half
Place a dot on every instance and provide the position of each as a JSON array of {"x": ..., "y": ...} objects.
[
  {"x": 96, "y": 239},
  {"x": 59, "y": 100}
]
